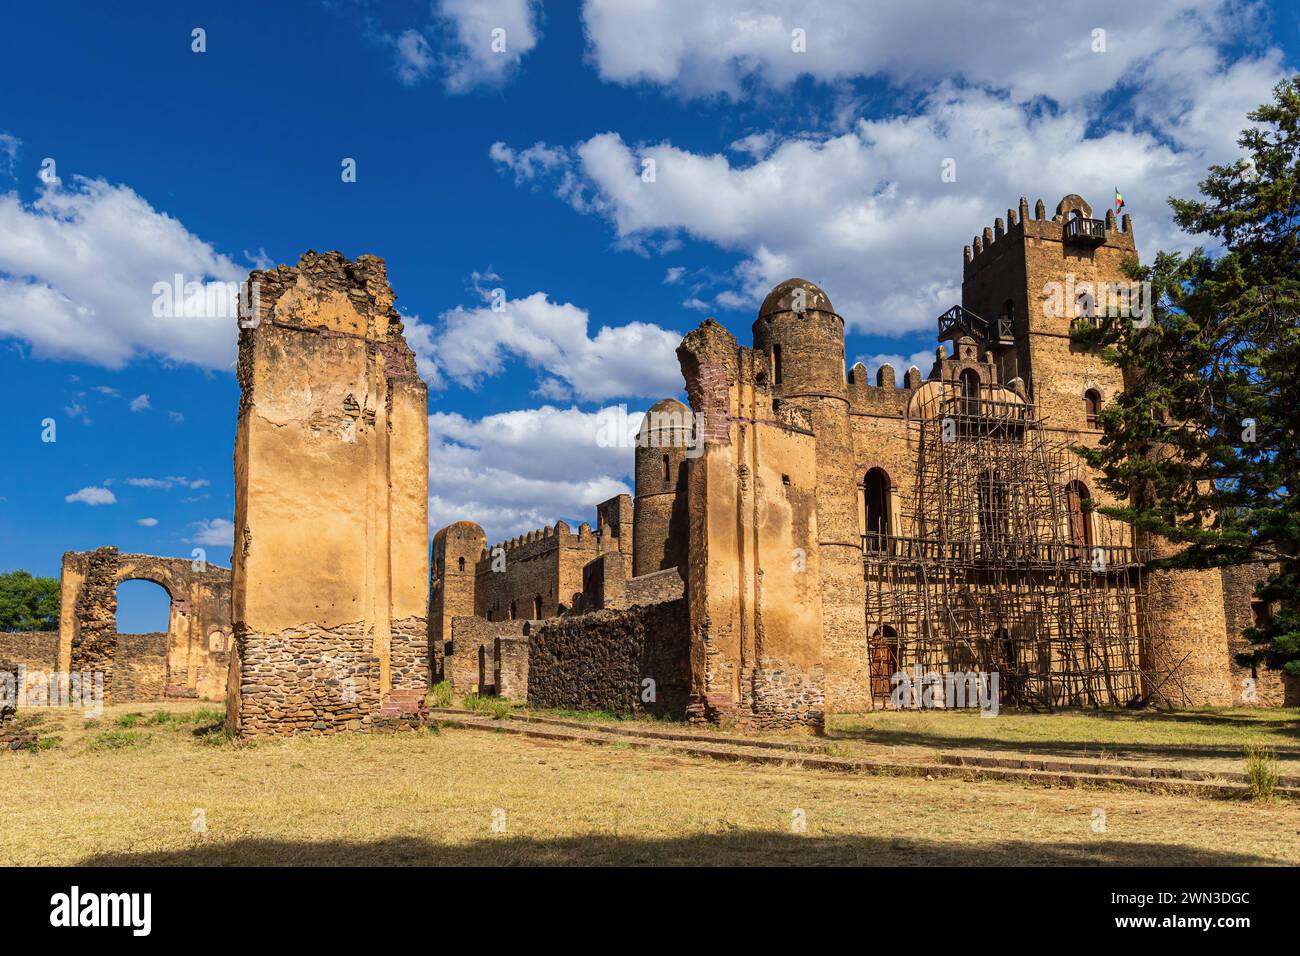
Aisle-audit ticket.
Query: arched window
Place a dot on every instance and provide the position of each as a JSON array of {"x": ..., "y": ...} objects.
[
  {"x": 776, "y": 364},
  {"x": 1091, "y": 406},
  {"x": 143, "y": 607},
  {"x": 994, "y": 521},
  {"x": 537, "y": 608},
  {"x": 1077, "y": 499},
  {"x": 514, "y": 611},
  {"x": 667, "y": 469},
  {"x": 461, "y": 563},
  {"x": 875, "y": 500}
]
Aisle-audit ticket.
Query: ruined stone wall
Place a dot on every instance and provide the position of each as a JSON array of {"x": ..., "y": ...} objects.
[
  {"x": 37, "y": 652},
  {"x": 601, "y": 661},
  {"x": 604, "y": 582},
  {"x": 331, "y": 578},
  {"x": 813, "y": 377},
  {"x": 140, "y": 666},
  {"x": 655, "y": 588},
  {"x": 755, "y": 588},
  {"x": 510, "y": 667},
  {"x": 1271, "y": 687},
  {"x": 199, "y": 631},
  {"x": 470, "y": 667}
]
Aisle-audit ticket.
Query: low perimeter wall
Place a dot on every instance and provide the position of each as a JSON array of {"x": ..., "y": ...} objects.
[{"x": 603, "y": 661}]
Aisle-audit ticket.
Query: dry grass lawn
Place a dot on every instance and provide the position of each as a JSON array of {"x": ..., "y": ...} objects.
[{"x": 109, "y": 794}]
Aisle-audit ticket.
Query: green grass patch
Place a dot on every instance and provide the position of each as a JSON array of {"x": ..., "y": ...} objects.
[
  {"x": 1261, "y": 772},
  {"x": 118, "y": 740},
  {"x": 440, "y": 694}
]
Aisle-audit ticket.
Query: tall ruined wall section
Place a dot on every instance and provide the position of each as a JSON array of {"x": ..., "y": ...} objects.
[
  {"x": 754, "y": 591},
  {"x": 809, "y": 372},
  {"x": 331, "y": 556}
]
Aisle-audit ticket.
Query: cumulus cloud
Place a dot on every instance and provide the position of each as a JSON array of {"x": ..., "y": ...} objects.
[
  {"x": 516, "y": 471},
  {"x": 147, "y": 522},
  {"x": 93, "y": 496},
  {"x": 866, "y": 213},
  {"x": 215, "y": 531},
  {"x": 78, "y": 268},
  {"x": 470, "y": 43},
  {"x": 140, "y": 403},
  {"x": 1030, "y": 49},
  {"x": 470, "y": 344}
]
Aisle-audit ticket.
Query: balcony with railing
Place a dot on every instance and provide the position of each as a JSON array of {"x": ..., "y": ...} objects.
[
  {"x": 1039, "y": 555},
  {"x": 1088, "y": 232}
]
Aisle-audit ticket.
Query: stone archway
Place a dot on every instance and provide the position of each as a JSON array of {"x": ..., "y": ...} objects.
[{"x": 196, "y": 662}]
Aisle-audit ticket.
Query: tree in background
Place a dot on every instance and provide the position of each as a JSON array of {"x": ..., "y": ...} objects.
[
  {"x": 28, "y": 603},
  {"x": 1203, "y": 440}
]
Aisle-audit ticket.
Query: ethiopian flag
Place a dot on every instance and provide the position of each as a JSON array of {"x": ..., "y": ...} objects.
[{"x": 1119, "y": 200}]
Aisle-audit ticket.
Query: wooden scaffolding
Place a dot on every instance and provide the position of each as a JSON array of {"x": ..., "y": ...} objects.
[{"x": 999, "y": 565}]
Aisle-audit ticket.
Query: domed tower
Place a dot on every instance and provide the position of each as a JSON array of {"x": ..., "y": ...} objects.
[
  {"x": 456, "y": 550},
  {"x": 659, "y": 511},
  {"x": 803, "y": 338}
]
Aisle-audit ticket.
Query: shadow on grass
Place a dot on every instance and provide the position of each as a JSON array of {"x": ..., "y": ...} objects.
[{"x": 762, "y": 848}]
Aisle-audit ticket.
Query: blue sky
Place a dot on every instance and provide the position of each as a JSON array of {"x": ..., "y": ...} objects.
[{"x": 522, "y": 169}]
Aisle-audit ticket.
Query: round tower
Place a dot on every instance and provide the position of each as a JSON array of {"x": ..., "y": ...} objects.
[
  {"x": 659, "y": 511},
  {"x": 802, "y": 336},
  {"x": 456, "y": 550}
]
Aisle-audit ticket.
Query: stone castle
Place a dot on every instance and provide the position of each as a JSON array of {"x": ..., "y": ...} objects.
[{"x": 799, "y": 536}]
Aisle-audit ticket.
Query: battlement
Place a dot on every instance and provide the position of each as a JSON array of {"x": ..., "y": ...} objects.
[
  {"x": 559, "y": 537},
  {"x": 1072, "y": 222}
]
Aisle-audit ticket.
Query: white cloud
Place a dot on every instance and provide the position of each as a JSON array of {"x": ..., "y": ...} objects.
[
  {"x": 216, "y": 531},
  {"x": 8, "y": 153},
  {"x": 176, "y": 417},
  {"x": 865, "y": 213},
  {"x": 1031, "y": 48},
  {"x": 93, "y": 496},
  {"x": 414, "y": 57},
  {"x": 674, "y": 275},
  {"x": 140, "y": 403},
  {"x": 168, "y": 482},
  {"x": 516, "y": 471},
  {"x": 473, "y": 43},
  {"x": 471, "y": 344},
  {"x": 77, "y": 271},
  {"x": 147, "y": 522}
]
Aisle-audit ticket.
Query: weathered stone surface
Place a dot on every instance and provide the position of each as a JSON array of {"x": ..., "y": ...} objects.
[
  {"x": 330, "y": 600},
  {"x": 603, "y": 660}
]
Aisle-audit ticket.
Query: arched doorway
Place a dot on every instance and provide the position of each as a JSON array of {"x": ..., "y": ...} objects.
[{"x": 140, "y": 665}]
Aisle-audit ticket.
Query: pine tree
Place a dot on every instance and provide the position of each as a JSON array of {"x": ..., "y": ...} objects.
[{"x": 1202, "y": 442}]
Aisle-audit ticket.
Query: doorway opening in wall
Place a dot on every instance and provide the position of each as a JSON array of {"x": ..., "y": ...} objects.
[
  {"x": 884, "y": 662},
  {"x": 875, "y": 494},
  {"x": 140, "y": 670}
]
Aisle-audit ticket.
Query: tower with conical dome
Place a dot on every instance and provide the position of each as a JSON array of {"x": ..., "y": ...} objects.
[{"x": 802, "y": 338}]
